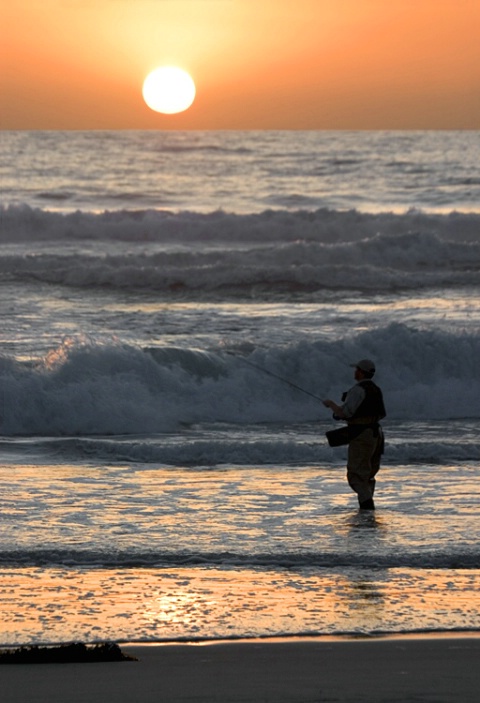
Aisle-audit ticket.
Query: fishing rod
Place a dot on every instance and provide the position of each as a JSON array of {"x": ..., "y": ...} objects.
[{"x": 279, "y": 378}]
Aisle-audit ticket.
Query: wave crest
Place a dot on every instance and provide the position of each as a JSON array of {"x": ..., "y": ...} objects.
[
  {"x": 220, "y": 253},
  {"x": 92, "y": 388}
]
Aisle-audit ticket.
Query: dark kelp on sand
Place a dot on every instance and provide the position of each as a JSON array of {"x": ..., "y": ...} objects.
[{"x": 76, "y": 652}]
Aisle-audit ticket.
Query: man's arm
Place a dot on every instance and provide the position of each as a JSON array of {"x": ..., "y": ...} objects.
[{"x": 353, "y": 400}]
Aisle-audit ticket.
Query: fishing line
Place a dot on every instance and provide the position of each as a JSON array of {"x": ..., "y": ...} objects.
[{"x": 279, "y": 378}]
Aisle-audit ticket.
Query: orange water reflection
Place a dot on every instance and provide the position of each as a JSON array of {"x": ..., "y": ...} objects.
[{"x": 38, "y": 605}]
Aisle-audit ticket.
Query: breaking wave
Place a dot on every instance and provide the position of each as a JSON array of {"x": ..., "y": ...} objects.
[
  {"x": 219, "y": 252},
  {"x": 93, "y": 388}
]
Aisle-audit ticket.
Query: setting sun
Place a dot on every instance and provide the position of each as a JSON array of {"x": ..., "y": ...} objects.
[
  {"x": 334, "y": 64},
  {"x": 168, "y": 89}
]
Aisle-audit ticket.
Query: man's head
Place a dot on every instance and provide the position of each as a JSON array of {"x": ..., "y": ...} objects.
[{"x": 365, "y": 368}]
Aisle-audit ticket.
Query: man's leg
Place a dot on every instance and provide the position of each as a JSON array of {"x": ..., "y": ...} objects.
[
  {"x": 375, "y": 460},
  {"x": 360, "y": 472}
]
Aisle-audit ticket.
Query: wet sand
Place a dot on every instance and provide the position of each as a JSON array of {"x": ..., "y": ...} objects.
[{"x": 393, "y": 670}]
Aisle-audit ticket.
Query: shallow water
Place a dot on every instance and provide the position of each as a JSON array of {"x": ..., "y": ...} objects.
[
  {"x": 144, "y": 553},
  {"x": 185, "y": 603}
]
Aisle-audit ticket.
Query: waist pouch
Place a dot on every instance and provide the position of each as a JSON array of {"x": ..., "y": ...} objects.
[
  {"x": 344, "y": 435},
  {"x": 338, "y": 437}
]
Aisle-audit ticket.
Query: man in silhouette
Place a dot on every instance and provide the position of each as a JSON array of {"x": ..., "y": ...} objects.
[{"x": 362, "y": 407}]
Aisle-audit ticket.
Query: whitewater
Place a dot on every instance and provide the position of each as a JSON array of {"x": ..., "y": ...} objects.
[{"x": 166, "y": 299}]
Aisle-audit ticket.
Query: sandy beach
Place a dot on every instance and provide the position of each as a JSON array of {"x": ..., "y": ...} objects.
[{"x": 420, "y": 669}]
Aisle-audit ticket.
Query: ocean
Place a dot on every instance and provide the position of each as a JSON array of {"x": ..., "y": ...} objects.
[{"x": 166, "y": 300}]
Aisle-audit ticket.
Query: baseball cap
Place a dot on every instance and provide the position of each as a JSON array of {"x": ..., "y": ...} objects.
[{"x": 366, "y": 365}]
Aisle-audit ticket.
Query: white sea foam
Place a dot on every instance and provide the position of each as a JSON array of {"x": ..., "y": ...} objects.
[
  {"x": 274, "y": 251},
  {"x": 101, "y": 389}
]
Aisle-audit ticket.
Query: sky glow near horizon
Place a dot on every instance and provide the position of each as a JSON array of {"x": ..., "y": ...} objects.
[{"x": 257, "y": 64}]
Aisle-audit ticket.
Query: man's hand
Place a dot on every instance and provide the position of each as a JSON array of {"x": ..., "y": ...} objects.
[{"x": 337, "y": 409}]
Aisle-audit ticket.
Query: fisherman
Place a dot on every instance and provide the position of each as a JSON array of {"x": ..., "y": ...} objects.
[{"x": 362, "y": 407}]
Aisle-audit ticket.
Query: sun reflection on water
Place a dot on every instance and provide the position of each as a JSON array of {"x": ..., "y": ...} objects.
[{"x": 58, "y": 605}]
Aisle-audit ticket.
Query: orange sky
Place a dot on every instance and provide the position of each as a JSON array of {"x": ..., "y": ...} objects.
[{"x": 257, "y": 64}]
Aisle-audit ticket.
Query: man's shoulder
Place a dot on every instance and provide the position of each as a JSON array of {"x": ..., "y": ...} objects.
[
  {"x": 356, "y": 390},
  {"x": 368, "y": 383}
]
